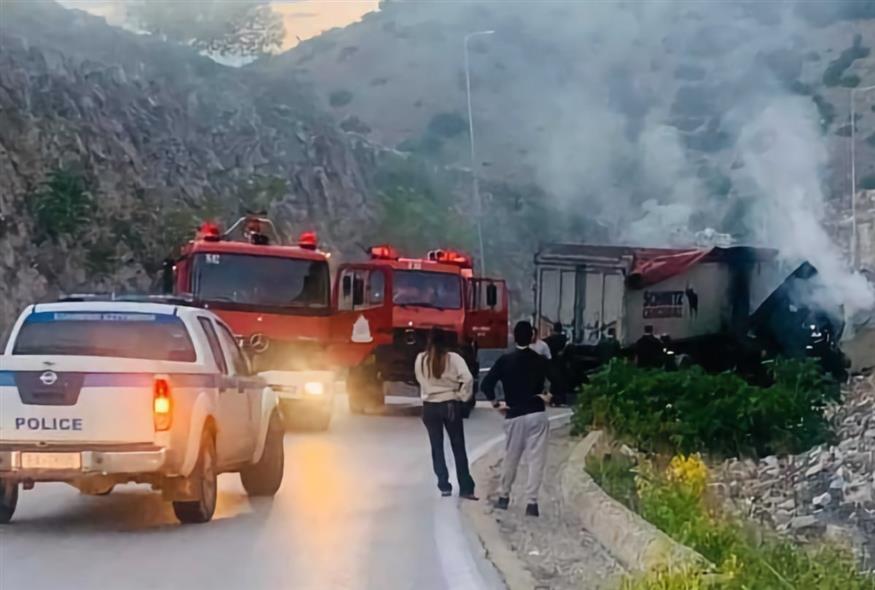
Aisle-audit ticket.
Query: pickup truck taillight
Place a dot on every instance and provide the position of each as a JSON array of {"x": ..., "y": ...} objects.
[{"x": 162, "y": 405}]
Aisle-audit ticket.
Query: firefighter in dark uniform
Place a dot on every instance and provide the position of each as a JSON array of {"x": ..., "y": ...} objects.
[
  {"x": 556, "y": 342},
  {"x": 649, "y": 350},
  {"x": 608, "y": 347}
]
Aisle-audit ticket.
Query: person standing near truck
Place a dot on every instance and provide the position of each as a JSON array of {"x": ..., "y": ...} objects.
[
  {"x": 649, "y": 350},
  {"x": 522, "y": 373},
  {"x": 556, "y": 342},
  {"x": 540, "y": 347},
  {"x": 445, "y": 384}
]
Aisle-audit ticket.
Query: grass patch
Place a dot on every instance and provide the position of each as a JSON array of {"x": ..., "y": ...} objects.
[
  {"x": 676, "y": 501},
  {"x": 615, "y": 474}
]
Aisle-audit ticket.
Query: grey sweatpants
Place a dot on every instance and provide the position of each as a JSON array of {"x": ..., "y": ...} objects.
[{"x": 529, "y": 434}]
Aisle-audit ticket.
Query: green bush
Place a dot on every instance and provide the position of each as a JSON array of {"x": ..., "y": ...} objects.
[
  {"x": 447, "y": 125},
  {"x": 744, "y": 560},
  {"x": 835, "y": 71},
  {"x": 62, "y": 206},
  {"x": 418, "y": 210},
  {"x": 826, "y": 110},
  {"x": 693, "y": 411}
]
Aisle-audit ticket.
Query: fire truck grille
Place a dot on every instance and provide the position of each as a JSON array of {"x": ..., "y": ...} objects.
[{"x": 415, "y": 338}]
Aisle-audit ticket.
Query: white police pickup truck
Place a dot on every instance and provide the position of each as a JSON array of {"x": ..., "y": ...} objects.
[{"x": 96, "y": 394}]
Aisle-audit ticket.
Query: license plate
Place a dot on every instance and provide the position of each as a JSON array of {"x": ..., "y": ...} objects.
[{"x": 51, "y": 461}]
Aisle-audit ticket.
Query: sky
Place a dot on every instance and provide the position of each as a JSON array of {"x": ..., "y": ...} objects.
[{"x": 303, "y": 18}]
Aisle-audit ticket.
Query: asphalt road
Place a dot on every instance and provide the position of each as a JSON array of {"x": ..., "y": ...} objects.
[{"x": 358, "y": 509}]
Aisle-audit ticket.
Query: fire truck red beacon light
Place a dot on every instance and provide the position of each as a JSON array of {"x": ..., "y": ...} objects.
[
  {"x": 308, "y": 240},
  {"x": 383, "y": 252}
]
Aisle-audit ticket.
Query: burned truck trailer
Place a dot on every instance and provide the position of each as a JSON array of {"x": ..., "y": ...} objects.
[{"x": 713, "y": 306}]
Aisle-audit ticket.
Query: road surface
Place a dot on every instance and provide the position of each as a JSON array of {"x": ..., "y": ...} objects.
[{"x": 358, "y": 509}]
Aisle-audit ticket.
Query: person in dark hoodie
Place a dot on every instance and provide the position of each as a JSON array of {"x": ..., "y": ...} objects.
[{"x": 522, "y": 373}]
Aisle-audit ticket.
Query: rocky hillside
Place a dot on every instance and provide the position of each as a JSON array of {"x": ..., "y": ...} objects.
[
  {"x": 113, "y": 145},
  {"x": 608, "y": 105},
  {"x": 596, "y": 121}
]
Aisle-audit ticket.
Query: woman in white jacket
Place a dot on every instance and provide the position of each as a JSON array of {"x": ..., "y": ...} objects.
[{"x": 445, "y": 384}]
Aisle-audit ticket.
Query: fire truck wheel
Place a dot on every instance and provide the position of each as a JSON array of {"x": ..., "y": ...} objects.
[
  {"x": 468, "y": 407},
  {"x": 8, "y": 500},
  {"x": 319, "y": 421},
  {"x": 364, "y": 390},
  {"x": 265, "y": 477},
  {"x": 356, "y": 403}
]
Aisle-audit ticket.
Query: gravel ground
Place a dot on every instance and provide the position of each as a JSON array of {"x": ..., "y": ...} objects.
[{"x": 559, "y": 553}]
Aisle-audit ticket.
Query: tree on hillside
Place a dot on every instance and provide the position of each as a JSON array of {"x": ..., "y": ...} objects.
[{"x": 246, "y": 28}]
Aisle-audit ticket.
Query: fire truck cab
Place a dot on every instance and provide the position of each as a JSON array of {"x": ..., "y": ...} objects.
[
  {"x": 276, "y": 298},
  {"x": 385, "y": 307}
]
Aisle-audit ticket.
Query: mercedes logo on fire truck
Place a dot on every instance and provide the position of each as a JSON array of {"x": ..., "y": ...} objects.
[
  {"x": 48, "y": 378},
  {"x": 259, "y": 342}
]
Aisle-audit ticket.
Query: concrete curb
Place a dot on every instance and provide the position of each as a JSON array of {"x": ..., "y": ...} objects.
[
  {"x": 635, "y": 543},
  {"x": 510, "y": 567}
]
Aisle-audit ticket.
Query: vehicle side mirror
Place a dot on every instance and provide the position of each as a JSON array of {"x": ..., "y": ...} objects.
[
  {"x": 358, "y": 292},
  {"x": 491, "y": 295},
  {"x": 167, "y": 276}
]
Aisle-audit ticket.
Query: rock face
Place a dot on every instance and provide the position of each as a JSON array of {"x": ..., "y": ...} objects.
[
  {"x": 158, "y": 137},
  {"x": 827, "y": 492}
]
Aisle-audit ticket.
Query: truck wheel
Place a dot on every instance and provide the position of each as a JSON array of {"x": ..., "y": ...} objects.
[
  {"x": 469, "y": 405},
  {"x": 363, "y": 390},
  {"x": 8, "y": 500},
  {"x": 205, "y": 475},
  {"x": 265, "y": 477}
]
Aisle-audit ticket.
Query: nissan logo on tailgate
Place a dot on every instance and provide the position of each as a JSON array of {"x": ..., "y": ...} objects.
[{"x": 48, "y": 378}]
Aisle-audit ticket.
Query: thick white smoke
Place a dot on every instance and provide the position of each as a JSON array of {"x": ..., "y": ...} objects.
[
  {"x": 784, "y": 155},
  {"x": 622, "y": 139}
]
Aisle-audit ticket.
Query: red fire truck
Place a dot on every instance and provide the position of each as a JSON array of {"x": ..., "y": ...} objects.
[
  {"x": 385, "y": 307},
  {"x": 277, "y": 299}
]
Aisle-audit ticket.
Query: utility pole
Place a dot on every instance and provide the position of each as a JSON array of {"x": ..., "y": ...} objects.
[
  {"x": 853, "y": 110},
  {"x": 475, "y": 182}
]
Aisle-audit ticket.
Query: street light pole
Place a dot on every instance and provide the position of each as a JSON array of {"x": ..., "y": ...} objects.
[
  {"x": 475, "y": 182},
  {"x": 853, "y": 115}
]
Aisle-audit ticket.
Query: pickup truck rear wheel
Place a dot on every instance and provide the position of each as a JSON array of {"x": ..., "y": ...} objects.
[
  {"x": 265, "y": 477},
  {"x": 205, "y": 476},
  {"x": 8, "y": 500}
]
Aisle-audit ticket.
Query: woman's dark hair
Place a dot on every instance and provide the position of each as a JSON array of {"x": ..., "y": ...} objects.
[{"x": 436, "y": 353}]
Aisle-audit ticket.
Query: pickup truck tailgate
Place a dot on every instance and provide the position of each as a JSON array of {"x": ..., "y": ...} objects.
[{"x": 57, "y": 405}]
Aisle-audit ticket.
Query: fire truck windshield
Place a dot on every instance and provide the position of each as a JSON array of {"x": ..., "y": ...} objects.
[
  {"x": 427, "y": 289},
  {"x": 261, "y": 281}
]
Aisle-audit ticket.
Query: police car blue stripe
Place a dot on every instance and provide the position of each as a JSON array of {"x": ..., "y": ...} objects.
[
  {"x": 42, "y": 317},
  {"x": 7, "y": 378}
]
